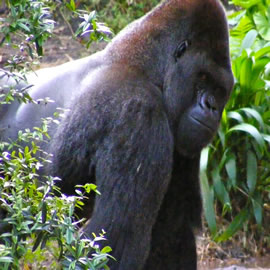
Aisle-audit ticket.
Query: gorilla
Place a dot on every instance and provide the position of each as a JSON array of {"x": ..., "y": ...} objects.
[{"x": 140, "y": 111}]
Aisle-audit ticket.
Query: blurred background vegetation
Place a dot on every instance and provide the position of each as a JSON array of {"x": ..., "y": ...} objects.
[{"x": 235, "y": 168}]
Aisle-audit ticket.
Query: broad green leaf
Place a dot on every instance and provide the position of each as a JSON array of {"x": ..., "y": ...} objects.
[
  {"x": 251, "y": 171},
  {"x": 254, "y": 114},
  {"x": 235, "y": 225},
  {"x": 231, "y": 168},
  {"x": 249, "y": 39},
  {"x": 252, "y": 131},
  {"x": 208, "y": 203},
  {"x": 204, "y": 159},
  {"x": 257, "y": 208},
  {"x": 246, "y": 3},
  {"x": 72, "y": 4},
  {"x": 263, "y": 25},
  {"x": 235, "y": 115},
  {"x": 235, "y": 17},
  {"x": 219, "y": 187},
  {"x": 242, "y": 28},
  {"x": 262, "y": 52},
  {"x": 266, "y": 137},
  {"x": 6, "y": 259},
  {"x": 245, "y": 73}
]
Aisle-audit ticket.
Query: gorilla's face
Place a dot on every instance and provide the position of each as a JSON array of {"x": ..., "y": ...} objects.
[{"x": 196, "y": 90}]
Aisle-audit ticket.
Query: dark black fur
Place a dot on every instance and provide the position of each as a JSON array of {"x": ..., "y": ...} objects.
[{"x": 140, "y": 113}]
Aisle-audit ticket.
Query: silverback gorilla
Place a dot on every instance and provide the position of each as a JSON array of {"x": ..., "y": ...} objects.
[{"x": 140, "y": 112}]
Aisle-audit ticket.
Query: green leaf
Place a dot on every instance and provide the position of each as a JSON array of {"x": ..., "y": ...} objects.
[
  {"x": 72, "y": 4},
  {"x": 230, "y": 166},
  {"x": 263, "y": 25},
  {"x": 235, "y": 225},
  {"x": 44, "y": 212},
  {"x": 245, "y": 73},
  {"x": 257, "y": 207},
  {"x": 219, "y": 187},
  {"x": 251, "y": 171},
  {"x": 249, "y": 39},
  {"x": 6, "y": 259},
  {"x": 235, "y": 115},
  {"x": 252, "y": 131},
  {"x": 246, "y": 3},
  {"x": 208, "y": 203},
  {"x": 69, "y": 236},
  {"x": 24, "y": 26},
  {"x": 106, "y": 249},
  {"x": 262, "y": 52},
  {"x": 254, "y": 114},
  {"x": 266, "y": 137},
  {"x": 204, "y": 159}
]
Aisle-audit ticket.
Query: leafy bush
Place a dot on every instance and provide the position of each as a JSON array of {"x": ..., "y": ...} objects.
[
  {"x": 39, "y": 229},
  {"x": 235, "y": 169}
]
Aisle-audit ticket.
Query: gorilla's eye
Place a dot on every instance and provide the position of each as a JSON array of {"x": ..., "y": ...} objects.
[{"x": 181, "y": 49}]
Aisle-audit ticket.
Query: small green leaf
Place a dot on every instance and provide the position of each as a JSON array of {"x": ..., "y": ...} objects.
[
  {"x": 106, "y": 249},
  {"x": 251, "y": 171}
]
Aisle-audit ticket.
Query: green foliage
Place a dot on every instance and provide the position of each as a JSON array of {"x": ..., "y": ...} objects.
[
  {"x": 30, "y": 20},
  {"x": 29, "y": 25},
  {"x": 119, "y": 13},
  {"x": 236, "y": 179},
  {"x": 90, "y": 26},
  {"x": 38, "y": 224},
  {"x": 38, "y": 220}
]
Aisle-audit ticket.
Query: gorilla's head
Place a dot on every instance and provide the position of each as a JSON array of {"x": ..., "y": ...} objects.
[{"x": 198, "y": 79}]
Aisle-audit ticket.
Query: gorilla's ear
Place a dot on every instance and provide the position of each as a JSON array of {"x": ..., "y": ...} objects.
[{"x": 181, "y": 49}]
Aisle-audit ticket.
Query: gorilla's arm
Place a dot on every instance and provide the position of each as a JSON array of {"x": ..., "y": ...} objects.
[
  {"x": 128, "y": 153},
  {"x": 175, "y": 248}
]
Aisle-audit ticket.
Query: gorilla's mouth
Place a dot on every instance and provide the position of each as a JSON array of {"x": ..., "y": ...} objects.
[{"x": 203, "y": 124}]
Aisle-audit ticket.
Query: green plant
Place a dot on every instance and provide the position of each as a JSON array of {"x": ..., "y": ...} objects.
[
  {"x": 119, "y": 13},
  {"x": 235, "y": 168},
  {"x": 39, "y": 218},
  {"x": 38, "y": 221}
]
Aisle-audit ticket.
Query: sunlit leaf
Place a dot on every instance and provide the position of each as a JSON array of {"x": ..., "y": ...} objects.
[
  {"x": 249, "y": 39},
  {"x": 235, "y": 115},
  {"x": 263, "y": 25},
  {"x": 204, "y": 158},
  {"x": 255, "y": 115}
]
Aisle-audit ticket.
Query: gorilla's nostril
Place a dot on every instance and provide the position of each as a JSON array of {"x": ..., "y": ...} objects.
[{"x": 208, "y": 102}]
